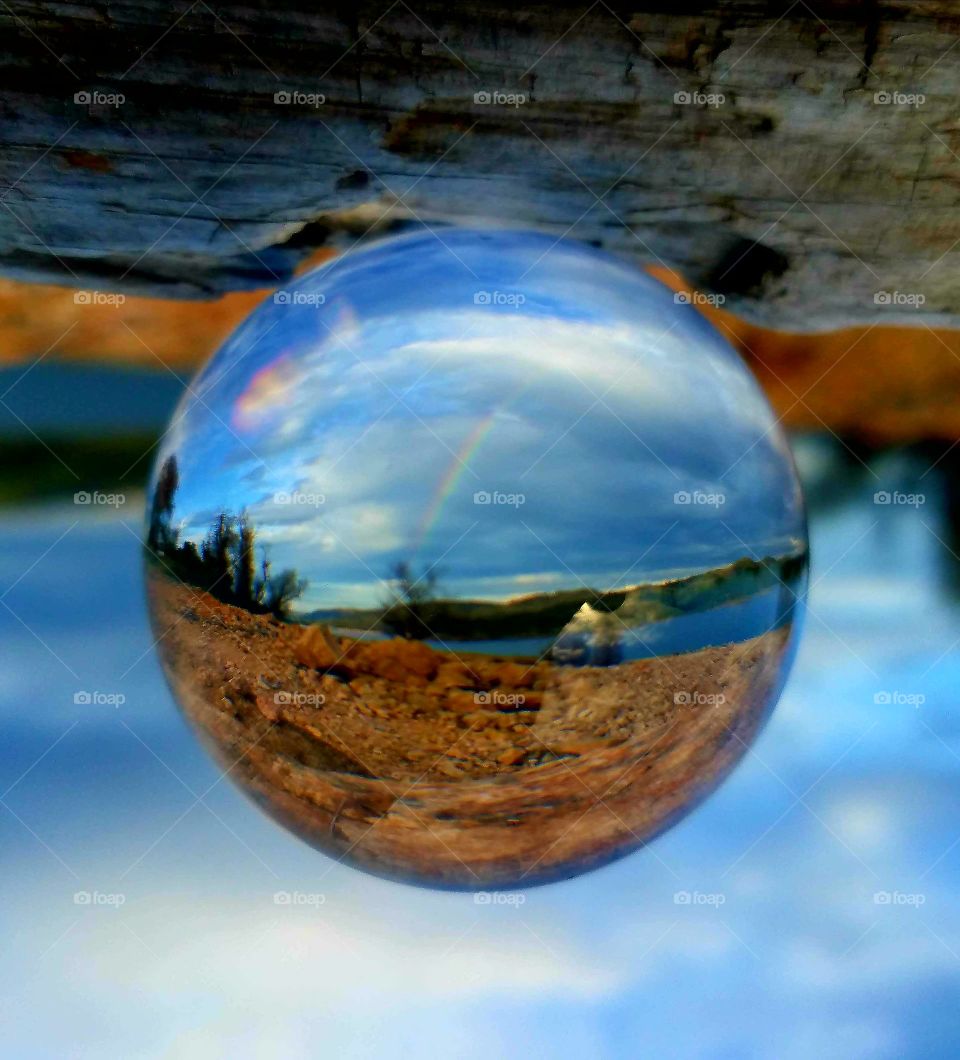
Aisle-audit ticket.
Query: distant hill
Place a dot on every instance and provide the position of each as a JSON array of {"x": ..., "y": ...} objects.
[{"x": 545, "y": 614}]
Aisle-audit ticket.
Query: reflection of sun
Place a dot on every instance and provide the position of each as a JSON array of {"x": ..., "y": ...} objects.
[
  {"x": 271, "y": 393},
  {"x": 266, "y": 394}
]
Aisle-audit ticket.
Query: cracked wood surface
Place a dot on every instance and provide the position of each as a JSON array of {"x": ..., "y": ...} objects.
[{"x": 810, "y": 178}]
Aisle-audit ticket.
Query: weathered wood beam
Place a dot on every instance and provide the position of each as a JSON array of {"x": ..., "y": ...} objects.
[{"x": 144, "y": 146}]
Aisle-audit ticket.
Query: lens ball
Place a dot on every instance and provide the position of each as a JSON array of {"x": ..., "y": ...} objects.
[{"x": 475, "y": 558}]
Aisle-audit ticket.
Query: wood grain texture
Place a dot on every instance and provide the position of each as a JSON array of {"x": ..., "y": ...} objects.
[{"x": 784, "y": 185}]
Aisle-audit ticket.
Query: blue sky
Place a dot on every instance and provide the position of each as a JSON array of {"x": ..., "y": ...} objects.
[
  {"x": 799, "y": 959},
  {"x": 387, "y": 398}
]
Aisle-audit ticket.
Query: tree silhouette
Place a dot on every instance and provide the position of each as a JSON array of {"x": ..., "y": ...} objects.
[
  {"x": 281, "y": 591},
  {"x": 408, "y": 610},
  {"x": 244, "y": 589},
  {"x": 263, "y": 581},
  {"x": 224, "y": 564},
  {"x": 217, "y": 553},
  {"x": 160, "y": 536}
]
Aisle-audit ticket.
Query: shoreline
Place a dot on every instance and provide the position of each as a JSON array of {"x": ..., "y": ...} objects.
[{"x": 413, "y": 766}]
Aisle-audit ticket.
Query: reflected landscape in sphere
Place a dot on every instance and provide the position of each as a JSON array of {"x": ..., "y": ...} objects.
[{"x": 475, "y": 558}]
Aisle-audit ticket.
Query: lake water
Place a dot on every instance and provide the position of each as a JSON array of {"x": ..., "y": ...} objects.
[{"x": 720, "y": 625}]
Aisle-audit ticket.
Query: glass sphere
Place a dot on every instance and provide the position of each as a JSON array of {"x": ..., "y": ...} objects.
[{"x": 474, "y": 557}]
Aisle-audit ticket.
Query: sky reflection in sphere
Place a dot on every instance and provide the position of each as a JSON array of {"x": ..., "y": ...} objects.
[{"x": 548, "y": 538}]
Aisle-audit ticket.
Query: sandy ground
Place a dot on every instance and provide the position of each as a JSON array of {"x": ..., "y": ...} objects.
[{"x": 459, "y": 770}]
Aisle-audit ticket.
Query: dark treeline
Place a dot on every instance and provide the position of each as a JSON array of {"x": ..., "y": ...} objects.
[
  {"x": 225, "y": 563},
  {"x": 414, "y": 609},
  {"x": 410, "y": 608}
]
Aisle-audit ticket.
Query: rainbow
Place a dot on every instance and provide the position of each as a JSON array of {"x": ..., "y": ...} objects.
[{"x": 451, "y": 478}]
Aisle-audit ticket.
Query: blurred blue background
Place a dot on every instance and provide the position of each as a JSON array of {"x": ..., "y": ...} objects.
[{"x": 808, "y": 908}]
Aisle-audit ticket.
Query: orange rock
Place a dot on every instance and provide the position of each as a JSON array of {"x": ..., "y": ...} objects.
[
  {"x": 512, "y": 675},
  {"x": 268, "y": 706},
  {"x": 319, "y": 648},
  {"x": 453, "y": 674},
  {"x": 578, "y": 745},
  {"x": 397, "y": 659},
  {"x": 512, "y": 756},
  {"x": 461, "y": 702}
]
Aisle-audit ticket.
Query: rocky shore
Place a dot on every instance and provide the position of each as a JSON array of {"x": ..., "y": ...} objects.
[{"x": 458, "y": 769}]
